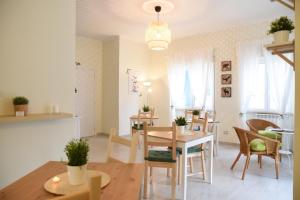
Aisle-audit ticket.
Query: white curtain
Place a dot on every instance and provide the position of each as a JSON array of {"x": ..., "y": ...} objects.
[
  {"x": 197, "y": 67},
  {"x": 267, "y": 81}
]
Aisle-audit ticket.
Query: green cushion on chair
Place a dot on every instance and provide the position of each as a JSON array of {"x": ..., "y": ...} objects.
[
  {"x": 160, "y": 156},
  {"x": 257, "y": 145},
  {"x": 194, "y": 149},
  {"x": 270, "y": 134},
  {"x": 135, "y": 126}
]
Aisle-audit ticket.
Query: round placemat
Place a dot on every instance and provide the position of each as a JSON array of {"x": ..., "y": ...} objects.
[{"x": 63, "y": 187}]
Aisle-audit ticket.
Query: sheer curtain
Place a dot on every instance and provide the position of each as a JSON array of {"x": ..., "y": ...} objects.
[
  {"x": 191, "y": 79},
  {"x": 267, "y": 82}
]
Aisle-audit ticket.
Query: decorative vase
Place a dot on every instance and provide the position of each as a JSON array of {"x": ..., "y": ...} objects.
[
  {"x": 180, "y": 129},
  {"x": 77, "y": 175},
  {"x": 23, "y": 108},
  {"x": 281, "y": 37}
]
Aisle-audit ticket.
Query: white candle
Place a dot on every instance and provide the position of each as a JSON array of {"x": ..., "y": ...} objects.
[{"x": 55, "y": 179}]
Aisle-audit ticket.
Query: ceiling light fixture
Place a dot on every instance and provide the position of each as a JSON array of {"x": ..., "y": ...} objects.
[{"x": 158, "y": 35}]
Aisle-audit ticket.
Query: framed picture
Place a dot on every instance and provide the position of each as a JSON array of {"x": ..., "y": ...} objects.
[
  {"x": 226, "y": 91},
  {"x": 226, "y": 66},
  {"x": 226, "y": 79},
  {"x": 133, "y": 86}
]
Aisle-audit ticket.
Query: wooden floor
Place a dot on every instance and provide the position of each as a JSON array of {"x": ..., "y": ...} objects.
[{"x": 259, "y": 184}]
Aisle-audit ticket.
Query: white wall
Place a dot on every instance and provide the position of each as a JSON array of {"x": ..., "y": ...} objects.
[
  {"x": 224, "y": 43},
  {"x": 133, "y": 56},
  {"x": 89, "y": 55},
  {"x": 37, "y": 54},
  {"x": 110, "y": 83}
]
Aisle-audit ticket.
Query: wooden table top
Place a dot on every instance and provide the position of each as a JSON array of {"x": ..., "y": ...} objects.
[
  {"x": 143, "y": 117},
  {"x": 125, "y": 182},
  {"x": 190, "y": 135}
]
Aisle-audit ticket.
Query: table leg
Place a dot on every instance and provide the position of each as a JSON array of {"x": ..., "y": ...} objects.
[
  {"x": 211, "y": 160},
  {"x": 217, "y": 141},
  {"x": 184, "y": 171}
]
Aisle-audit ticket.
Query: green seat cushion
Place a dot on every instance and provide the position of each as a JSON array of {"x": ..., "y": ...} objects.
[
  {"x": 257, "y": 145},
  {"x": 135, "y": 126},
  {"x": 270, "y": 134},
  {"x": 193, "y": 149},
  {"x": 160, "y": 156}
]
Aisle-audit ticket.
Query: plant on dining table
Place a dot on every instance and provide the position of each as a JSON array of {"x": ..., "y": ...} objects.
[
  {"x": 146, "y": 108},
  {"x": 180, "y": 121},
  {"x": 77, "y": 152}
]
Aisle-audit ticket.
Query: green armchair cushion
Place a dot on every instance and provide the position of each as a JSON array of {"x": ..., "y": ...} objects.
[
  {"x": 270, "y": 134},
  {"x": 160, "y": 156},
  {"x": 257, "y": 145}
]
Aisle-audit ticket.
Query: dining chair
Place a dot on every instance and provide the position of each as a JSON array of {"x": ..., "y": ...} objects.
[
  {"x": 92, "y": 193},
  {"x": 196, "y": 151},
  {"x": 254, "y": 144},
  {"x": 162, "y": 158},
  {"x": 114, "y": 139}
]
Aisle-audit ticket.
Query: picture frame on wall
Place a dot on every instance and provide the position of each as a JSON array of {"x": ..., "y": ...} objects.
[
  {"x": 226, "y": 92},
  {"x": 226, "y": 66},
  {"x": 226, "y": 79}
]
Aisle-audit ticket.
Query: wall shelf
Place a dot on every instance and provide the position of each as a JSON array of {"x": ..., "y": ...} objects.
[
  {"x": 281, "y": 49},
  {"x": 5, "y": 119}
]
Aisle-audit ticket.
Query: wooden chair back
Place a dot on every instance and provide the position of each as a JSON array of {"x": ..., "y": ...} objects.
[
  {"x": 259, "y": 124},
  {"x": 114, "y": 139},
  {"x": 203, "y": 123},
  {"x": 150, "y": 116},
  {"x": 93, "y": 193},
  {"x": 163, "y": 130}
]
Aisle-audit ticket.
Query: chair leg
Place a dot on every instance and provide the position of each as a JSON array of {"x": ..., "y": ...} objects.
[
  {"x": 179, "y": 170},
  {"x": 151, "y": 175},
  {"x": 174, "y": 181},
  {"x": 235, "y": 161},
  {"x": 277, "y": 160},
  {"x": 146, "y": 181},
  {"x": 260, "y": 161},
  {"x": 203, "y": 165},
  {"x": 246, "y": 166},
  {"x": 191, "y": 165}
]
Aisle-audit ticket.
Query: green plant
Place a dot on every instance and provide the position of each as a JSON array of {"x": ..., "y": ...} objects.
[
  {"x": 180, "y": 121},
  {"x": 196, "y": 112},
  {"x": 77, "y": 152},
  {"x": 281, "y": 24},
  {"x": 20, "y": 101},
  {"x": 146, "y": 108}
]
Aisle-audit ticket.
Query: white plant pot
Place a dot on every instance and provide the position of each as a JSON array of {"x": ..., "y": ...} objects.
[
  {"x": 195, "y": 116},
  {"x": 281, "y": 37},
  {"x": 180, "y": 129},
  {"x": 77, "y": 175}
]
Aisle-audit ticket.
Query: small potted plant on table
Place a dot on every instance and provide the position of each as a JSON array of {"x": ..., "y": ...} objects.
[
  {"x": 77, "y": 153},
  {"x": 196, "y": 114},
  {"x": 21, "y": 104},
  {"x": 180, "y": 124},
  {"x": 146, "y": 108},
  {"x": 281, "y": 28}
]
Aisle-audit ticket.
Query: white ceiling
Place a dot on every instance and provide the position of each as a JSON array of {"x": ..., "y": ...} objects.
[{"x": 103, "y": 18}]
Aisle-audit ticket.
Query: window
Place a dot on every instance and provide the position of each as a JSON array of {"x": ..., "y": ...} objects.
[
  {"x": 191, "y": 80},
  {"x": 267, "y": 82}
]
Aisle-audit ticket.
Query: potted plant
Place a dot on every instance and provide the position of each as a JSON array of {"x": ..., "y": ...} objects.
[
  {"x": 180, "y": 124},
  {"x": 146, "y": 108},
  {"x": 21, "y": 104},
  {"x": 281, "y": 28},
  {"x": 196, "y": 114},
  {"x": 77, "y": 153}
]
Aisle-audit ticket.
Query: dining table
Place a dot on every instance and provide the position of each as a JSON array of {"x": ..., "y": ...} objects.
[
  {"x": 184, "y": 141},
  {"x": 125, "y": 183}
]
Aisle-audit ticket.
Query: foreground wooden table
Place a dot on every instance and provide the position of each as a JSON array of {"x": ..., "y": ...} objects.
[{"x": 125, "y": 182}]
